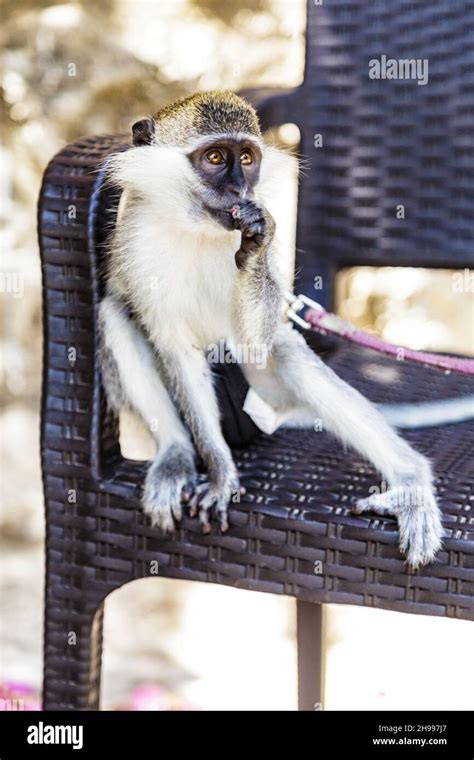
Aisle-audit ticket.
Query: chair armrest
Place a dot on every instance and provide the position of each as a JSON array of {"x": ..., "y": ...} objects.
[{"x": 75, "y": 213}]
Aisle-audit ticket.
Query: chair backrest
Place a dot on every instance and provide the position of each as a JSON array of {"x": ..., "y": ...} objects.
[{"x": 390, "y": 162}]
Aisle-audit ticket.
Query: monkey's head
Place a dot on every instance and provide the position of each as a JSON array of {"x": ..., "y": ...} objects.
[{"x": 219, "y": 134}]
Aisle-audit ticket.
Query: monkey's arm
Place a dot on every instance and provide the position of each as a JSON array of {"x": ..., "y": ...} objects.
[
  {"x": 131, "y": 380},
  {"x": 188, "y": 376},
  {"x": 258, "y": 303}
]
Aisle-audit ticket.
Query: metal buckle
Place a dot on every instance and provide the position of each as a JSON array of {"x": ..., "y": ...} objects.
[{"x": 296, "y": 304}]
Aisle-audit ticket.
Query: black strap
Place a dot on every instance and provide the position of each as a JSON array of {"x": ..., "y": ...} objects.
[{"x": 231, "y": 388}]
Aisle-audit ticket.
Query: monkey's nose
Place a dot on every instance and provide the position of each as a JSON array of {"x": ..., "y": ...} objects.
[{"x": 238, "y": 191}]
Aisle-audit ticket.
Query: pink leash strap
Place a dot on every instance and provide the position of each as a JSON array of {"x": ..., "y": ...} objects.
[{"x": 322, "y": 321}]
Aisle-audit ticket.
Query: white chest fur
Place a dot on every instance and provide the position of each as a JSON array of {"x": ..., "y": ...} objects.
[{"x": 182, "y": 281}]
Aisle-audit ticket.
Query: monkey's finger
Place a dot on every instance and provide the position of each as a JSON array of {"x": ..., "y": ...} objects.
[
  {"x": 249, "y": 221},
  {"x": 256, "y": 227},
  {"x": 209, "y": 499},
  {"x": 240, "y": 258},
  {"x": 254, "y": 216},
  {"x": 223, "y": 522},
  {"x": 197, "y": 494},
  {"x": 250, "y": 209},
  {"x": 250, "y": 248},
  {"x": 186, "y": 495},
  {"x": 237, "y": 487},
  {"x": 204, "y": 520}
]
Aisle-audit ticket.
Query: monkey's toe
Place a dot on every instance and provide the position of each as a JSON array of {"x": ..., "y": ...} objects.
[
  {"x": 161, "y": 516},
  {"x": 212, "y": 500},
  {"x": 205, "y": 521},
  {"x": 163, "y": 507},
  {"x": 169, "y": 480},
  {"x": 418, "y": 517},
  {"x": 421, "y": 532}
]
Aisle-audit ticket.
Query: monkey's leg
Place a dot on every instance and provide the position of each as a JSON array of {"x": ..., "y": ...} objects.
[
  {"x": 131, "y": 379},
  {"x": 188, "y": 373},
  {"x": 319, "y": 394}
]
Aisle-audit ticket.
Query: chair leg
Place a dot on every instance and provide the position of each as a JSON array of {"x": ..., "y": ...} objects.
[
  {"x": 310, "y": 639},
  {"x": 72, "y": 655}
]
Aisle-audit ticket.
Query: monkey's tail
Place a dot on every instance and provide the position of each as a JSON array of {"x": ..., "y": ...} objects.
[{"x": 430, "y": 413}]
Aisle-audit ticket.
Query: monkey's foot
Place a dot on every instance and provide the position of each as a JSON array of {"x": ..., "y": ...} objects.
[
  {"x": 418, "y": 517},
  {"x": 215, "y": 497},
  {"x": 169, "y": 481}
]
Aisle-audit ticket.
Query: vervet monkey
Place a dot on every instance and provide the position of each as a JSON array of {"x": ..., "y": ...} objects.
[{"x": 194, "y": 260}]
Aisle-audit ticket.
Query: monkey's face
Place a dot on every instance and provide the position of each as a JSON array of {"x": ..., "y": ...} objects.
[{"x": 228, "y": 171}]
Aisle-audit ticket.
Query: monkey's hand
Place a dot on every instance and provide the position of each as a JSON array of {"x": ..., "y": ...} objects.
[
  {"x": 258, "y": 229},
  {"x": 214, "y": 496}
]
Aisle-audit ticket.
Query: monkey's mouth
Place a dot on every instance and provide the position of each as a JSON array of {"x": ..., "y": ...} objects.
[{"x": 222, "y": 216}]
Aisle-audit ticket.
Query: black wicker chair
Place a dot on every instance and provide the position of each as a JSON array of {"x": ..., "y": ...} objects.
[{"x": 385, "y": 143}]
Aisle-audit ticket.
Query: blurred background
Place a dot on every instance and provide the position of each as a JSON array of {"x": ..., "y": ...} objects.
[{"x": 71, "y": 69}]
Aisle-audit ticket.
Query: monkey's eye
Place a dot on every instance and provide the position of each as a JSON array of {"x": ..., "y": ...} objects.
[
  {"x": 246, "y": 158},
  {"x": 214, "y": 156}
]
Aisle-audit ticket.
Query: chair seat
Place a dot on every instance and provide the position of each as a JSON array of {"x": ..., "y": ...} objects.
[{"x": 294, "y": 533}]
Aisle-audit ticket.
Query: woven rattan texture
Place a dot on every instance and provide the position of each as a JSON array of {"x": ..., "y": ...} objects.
[{"x": 385, "y": 142}]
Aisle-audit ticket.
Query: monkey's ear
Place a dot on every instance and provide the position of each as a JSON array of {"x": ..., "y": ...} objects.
[{"x": 143, "y": 132}]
